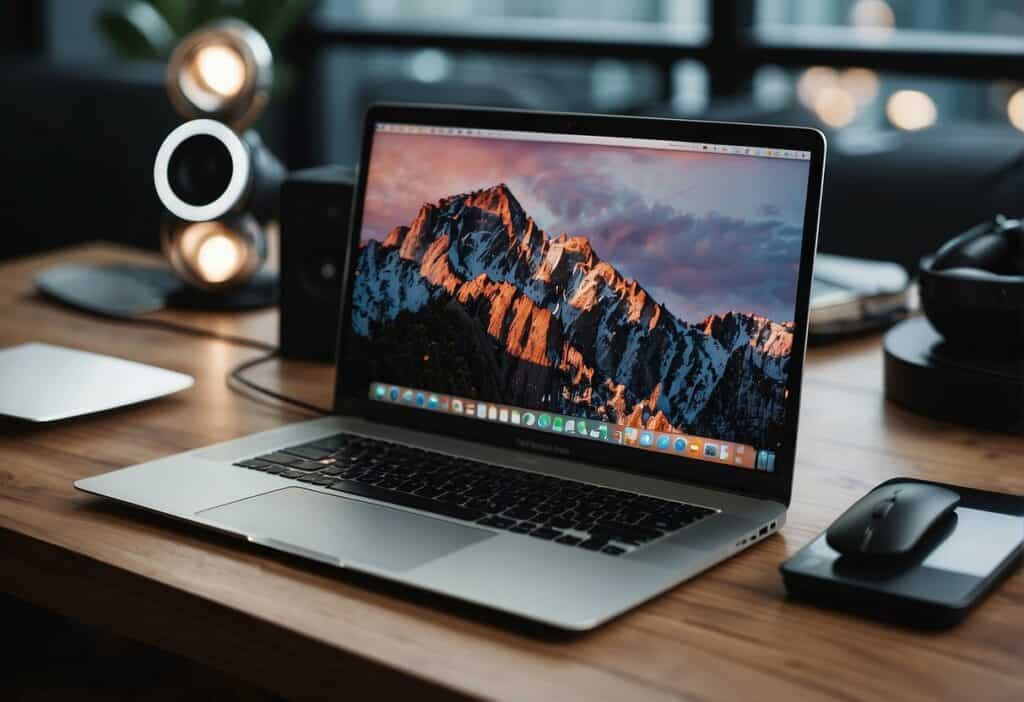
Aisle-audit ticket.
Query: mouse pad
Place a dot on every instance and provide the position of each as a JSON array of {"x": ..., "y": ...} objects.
[
  {"x": 950, "y": 573},
  {"x": 118, "y": 290},
  {"x": 44, "y": 383}
]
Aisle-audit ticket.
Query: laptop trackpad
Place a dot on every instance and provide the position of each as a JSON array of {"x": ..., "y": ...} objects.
[{"x": 341, "y": 531}]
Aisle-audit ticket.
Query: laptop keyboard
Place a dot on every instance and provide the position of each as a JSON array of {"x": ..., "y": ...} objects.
[{"x": 567, "y": 512}]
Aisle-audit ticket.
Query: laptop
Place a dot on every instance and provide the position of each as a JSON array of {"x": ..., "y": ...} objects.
[{"x": 569, "y": 364}]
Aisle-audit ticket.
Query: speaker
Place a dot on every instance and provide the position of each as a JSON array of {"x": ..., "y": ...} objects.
[{"x": 316, "y": 206}]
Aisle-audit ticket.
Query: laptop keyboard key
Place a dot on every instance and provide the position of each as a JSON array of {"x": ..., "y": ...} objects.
[
  {"x": 405, "y": 500},
  {"x": 626, "y": 532},
  {"x": 499, "y": 522},
  {"x": 313, "y": 454},
  {"x": 254, "y": 464},
  {"x": 283, "y": 459}
]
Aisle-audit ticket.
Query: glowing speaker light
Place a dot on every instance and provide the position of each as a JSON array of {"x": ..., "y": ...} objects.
[
  {"x": 224, "y": 71},
  {"x": 215, "y": 255}
]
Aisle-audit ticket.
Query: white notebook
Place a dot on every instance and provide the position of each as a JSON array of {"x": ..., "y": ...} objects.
[{"x": 43, "y": 383}]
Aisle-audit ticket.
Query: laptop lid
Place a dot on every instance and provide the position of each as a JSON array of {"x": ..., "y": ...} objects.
[{"x": 625, "y": 291}]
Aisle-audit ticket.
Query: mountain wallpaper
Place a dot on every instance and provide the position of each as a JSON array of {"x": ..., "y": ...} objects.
[{"x": 470, "y": 296}]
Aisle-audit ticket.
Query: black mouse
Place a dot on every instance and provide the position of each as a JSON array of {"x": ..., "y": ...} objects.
[{"x": 891, "y": 520}]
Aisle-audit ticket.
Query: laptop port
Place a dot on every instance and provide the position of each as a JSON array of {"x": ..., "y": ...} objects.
[{"x": 764, "y": 530}]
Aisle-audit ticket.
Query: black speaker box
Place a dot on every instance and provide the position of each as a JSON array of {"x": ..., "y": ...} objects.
[{"x": 316, "y": 205}]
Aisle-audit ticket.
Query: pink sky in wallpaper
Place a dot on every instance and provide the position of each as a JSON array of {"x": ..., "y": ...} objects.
[{"x": 703, "y": 233}]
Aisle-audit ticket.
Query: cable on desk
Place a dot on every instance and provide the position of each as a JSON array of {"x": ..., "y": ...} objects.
[
  {"x": 236, "y": 375},
  {"x": 197, "y": 331}
]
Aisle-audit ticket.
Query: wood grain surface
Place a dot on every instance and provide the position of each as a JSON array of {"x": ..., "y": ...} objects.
[{"x": 310, "y": 631}]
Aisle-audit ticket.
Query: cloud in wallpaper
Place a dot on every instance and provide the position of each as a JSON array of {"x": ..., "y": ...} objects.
[{"x": 703, "y": 233}]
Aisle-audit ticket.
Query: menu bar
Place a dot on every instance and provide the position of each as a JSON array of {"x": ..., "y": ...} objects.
[
  {"x": 663, "y": 144},
  {"x": 696, "y": 447}
]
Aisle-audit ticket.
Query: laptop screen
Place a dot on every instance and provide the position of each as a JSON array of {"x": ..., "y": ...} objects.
[{"x": 630, "y": 291}]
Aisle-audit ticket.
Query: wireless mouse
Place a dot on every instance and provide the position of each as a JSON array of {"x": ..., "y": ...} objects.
[{"x": 891, "y": 520}]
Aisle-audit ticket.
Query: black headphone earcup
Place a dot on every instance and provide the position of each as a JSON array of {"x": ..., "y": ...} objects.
[
  {"x": 972, "y": 273},
  {"x": 986, "y": 252},
  {"x": 979, "y": 313}
]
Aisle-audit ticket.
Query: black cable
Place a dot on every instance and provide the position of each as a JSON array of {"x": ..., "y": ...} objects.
[
  {"x": 236, "y": 375},
  {"x": 196, "y": 331}
]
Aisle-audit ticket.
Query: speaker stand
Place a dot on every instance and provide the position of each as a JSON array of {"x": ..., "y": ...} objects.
[
  {"x": 982, "y": 387},
  {"x": 130, "y": 290},
  {"x": 260, "y": 291}
]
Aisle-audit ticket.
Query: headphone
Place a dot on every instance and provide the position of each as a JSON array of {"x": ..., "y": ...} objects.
[{"x": 972, "y": 288}]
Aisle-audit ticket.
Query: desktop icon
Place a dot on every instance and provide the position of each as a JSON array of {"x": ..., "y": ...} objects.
[
  {"x": 723, "y": 452},
  {"x": 570, "y": 426},
  {"x": 529, "y": 418},
  {"x": 492, "y": 412},
  {"x": 516, "y": 417},
  {"x": 711, "y": 450},
  {"x": 421, "y": 399},
  {"x": 393, "y": 394},
  {"x": 433, "y": 402},
  {"x": 444, "y": 404},
  {"x": 481, "y": 411},
  {"x": 664, "y": 441},
  {"x": 602, "y": 432},
  {"x": 457, "y": 406},
  {"x": 766, "y": 460},
  {"x": 646, "y": 438},
  {"x": 556, "y": 425},
  {"x": 630, "y": 435},
  {"x": 379, "y": 392},
  {"x": 407, "y": 396},
  {"x": 503, "y": 415},
  {"x": 544, "y": 421},
  {"x": 680, "y": 444},
  {"x": 694, "y": 447},
  {"x": 581, "y": 427}
]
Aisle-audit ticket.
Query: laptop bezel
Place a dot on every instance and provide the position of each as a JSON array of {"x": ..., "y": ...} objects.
[{"x": 776, "y": 485}]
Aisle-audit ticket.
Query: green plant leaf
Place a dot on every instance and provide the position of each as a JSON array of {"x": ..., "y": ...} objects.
[{"x": 136, "y": 30}]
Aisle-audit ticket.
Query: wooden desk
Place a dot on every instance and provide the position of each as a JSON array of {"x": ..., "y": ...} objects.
[{"x": 306, "y": 631}]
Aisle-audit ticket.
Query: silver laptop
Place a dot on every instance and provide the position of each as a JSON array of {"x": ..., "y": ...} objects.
[{"x": 569, "y": 364}]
